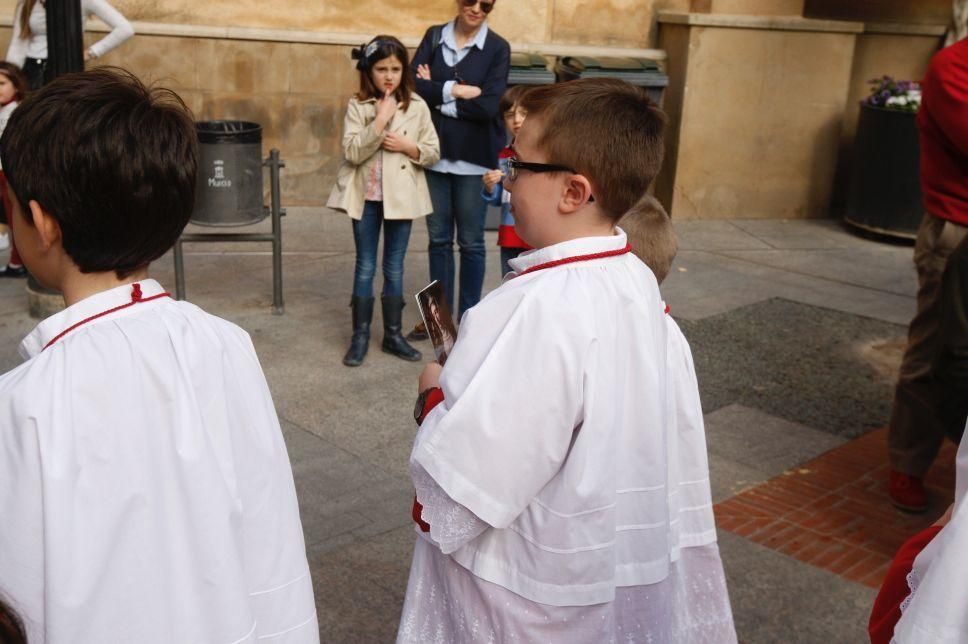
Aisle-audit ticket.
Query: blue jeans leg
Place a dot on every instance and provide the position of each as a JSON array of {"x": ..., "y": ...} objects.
[
  {"x": 396, "y": 235},
  {"x": 469, "y": 211},
  {"x": 366, "y": 234},
  {"x": 440, "y": 230}
]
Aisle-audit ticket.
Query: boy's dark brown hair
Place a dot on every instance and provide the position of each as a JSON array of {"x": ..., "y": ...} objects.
[
  {"x": 653, "y": 238},
  {"x": 15, "y": 76},
  {"x": 113, "y": 161},
  {"x": 11, "y": 626},
  {"x": 510, "y": 97},
  {"x": 379, "y": 48},
  {"x": 605, "y": 129}
]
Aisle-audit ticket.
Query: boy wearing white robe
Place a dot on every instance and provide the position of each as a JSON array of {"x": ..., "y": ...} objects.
[
  {"x": 547, "y": 476},
  {"x": 145, "y": 490}
]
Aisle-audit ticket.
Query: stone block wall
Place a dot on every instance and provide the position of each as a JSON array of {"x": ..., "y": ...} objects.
[
  {"x": 762, "y": 108},
  {"x": 286, "y": 64},
  {"x": 296, "y": 91},
  {"x": 762, "y": 105}
]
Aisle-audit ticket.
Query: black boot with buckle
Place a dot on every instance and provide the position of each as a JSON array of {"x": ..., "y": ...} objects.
[
  {"x": 393, "y": 341},
  {"x": 362, "y": 316}
]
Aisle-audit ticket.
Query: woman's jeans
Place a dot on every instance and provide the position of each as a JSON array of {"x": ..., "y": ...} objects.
[
  {"x": 366, "y": 234},
  {"x": 457, "y": 201}
]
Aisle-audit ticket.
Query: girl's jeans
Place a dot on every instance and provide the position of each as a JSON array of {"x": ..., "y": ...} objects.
[{"x": 366, "y": 234}]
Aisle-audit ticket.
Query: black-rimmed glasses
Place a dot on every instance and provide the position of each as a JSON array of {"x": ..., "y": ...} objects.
[{"x": 514, "y": 165}]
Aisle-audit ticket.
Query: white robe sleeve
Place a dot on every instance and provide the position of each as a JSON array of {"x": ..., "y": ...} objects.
[
  {"x": 452, "y": 526},
  {"x": 512, "y": 403},
  {"x": 277, "y": 573},
  {"x": 22, "y": 512},
  {"x": 935, "y": 612}
]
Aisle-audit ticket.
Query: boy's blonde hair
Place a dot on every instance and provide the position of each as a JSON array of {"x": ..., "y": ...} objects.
[
  {"x": 649, "y": 229},
  {"x": 605, "y": 129}
]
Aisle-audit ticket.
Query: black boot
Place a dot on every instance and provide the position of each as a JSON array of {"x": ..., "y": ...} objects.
[
  {"x": 362, "y": 316},
  {"x": 393, "y": 341}
]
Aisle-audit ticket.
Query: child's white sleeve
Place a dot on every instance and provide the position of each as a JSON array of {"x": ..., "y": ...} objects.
[{"x": 512, "y": 402}]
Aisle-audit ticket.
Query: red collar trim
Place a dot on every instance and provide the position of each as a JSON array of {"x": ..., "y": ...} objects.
[
  {"x": 577, "y": 258},
  {"x": 136, "y": 298}
]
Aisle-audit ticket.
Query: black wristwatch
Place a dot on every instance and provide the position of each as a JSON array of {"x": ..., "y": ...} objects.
[{"x": 418, "y": 409}]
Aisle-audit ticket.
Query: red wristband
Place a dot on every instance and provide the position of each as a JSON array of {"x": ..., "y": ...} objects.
[{"x": 430, "y": 398}]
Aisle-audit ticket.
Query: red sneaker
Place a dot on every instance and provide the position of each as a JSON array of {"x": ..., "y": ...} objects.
[{"x": 907, "y": 492}]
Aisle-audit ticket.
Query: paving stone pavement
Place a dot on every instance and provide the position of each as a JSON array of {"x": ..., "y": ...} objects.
[{"x": 780, "y": 314}]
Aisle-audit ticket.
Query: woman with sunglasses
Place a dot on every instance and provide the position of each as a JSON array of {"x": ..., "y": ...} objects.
[{"x": 461, "y": 70}]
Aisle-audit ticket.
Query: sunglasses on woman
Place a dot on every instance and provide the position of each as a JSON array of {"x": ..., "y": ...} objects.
[{"x": 485, "y": 6}]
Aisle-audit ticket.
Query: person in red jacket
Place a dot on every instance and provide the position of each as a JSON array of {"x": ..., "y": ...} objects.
[{"x": 917, "y": 427}]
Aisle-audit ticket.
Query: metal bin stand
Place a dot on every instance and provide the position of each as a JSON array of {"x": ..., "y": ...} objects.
[{"x": 275, "y": 210}]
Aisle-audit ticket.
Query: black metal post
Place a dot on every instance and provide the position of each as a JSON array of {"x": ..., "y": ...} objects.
[
  {"x": 275, "y": 165},
  {"x": 65, "y": 54},
  {"x": 65, "y": 38}
]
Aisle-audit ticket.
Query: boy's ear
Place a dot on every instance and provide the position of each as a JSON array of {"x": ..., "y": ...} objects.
[
  {"x": 578, "y": 192},
  {"x": 47, "y": 227}
]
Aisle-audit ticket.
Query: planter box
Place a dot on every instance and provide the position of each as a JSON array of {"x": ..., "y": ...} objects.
[
  {"x": 885, "y": 187},
  {"x": 919, "y": 12}
]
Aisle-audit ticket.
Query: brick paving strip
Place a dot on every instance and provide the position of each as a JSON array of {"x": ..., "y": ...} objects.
[{"x": 833, "y": 512}]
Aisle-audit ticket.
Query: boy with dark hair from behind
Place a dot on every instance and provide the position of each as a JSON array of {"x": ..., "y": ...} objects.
[
  {"x": 145, "y": 489},
  {"x": 551, "y": 501}
]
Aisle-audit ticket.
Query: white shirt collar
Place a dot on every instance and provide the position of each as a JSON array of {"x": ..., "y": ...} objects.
[
  {"x": 447, "y": 37},
  {"x": 50, "y": 328},
  {"x": 570, "y": 248}
]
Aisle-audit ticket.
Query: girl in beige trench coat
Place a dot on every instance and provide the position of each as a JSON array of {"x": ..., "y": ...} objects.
[{"x": 388, "y": 140}]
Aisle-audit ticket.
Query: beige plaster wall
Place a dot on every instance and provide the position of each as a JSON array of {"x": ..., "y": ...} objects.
[
  {"x": 755, "y": 7},
  {"x": 627, "y": 23},
  {"x": 298, "y": 92},
  {"x": 760, "y": 121}
]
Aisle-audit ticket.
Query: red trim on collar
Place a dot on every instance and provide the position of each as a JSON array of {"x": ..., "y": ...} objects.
[
  {"x": 136, "y": 298},
  {"x": 577, "y": 258}
]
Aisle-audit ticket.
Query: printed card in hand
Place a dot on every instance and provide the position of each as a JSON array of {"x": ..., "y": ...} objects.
[{"x": 436, "y": 317}]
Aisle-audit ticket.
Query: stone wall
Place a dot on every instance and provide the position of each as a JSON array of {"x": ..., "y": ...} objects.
[
  {"x": 762, "y": 106},
  {"x": 286, "y": 64},
  {"x": 762, "y": 109},
  {"x": 626, "y": 23}
]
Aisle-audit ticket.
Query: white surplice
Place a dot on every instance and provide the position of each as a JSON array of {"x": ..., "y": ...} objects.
[
  {"x": 145, "y": 490},
  {"x": 560, "y": 475},
  {"x": 936, "y": 612}
]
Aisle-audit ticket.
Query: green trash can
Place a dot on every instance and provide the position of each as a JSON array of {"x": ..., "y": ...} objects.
[
  {"x": 637, "y": 71},
  {"x": 529, "y": 69}
]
